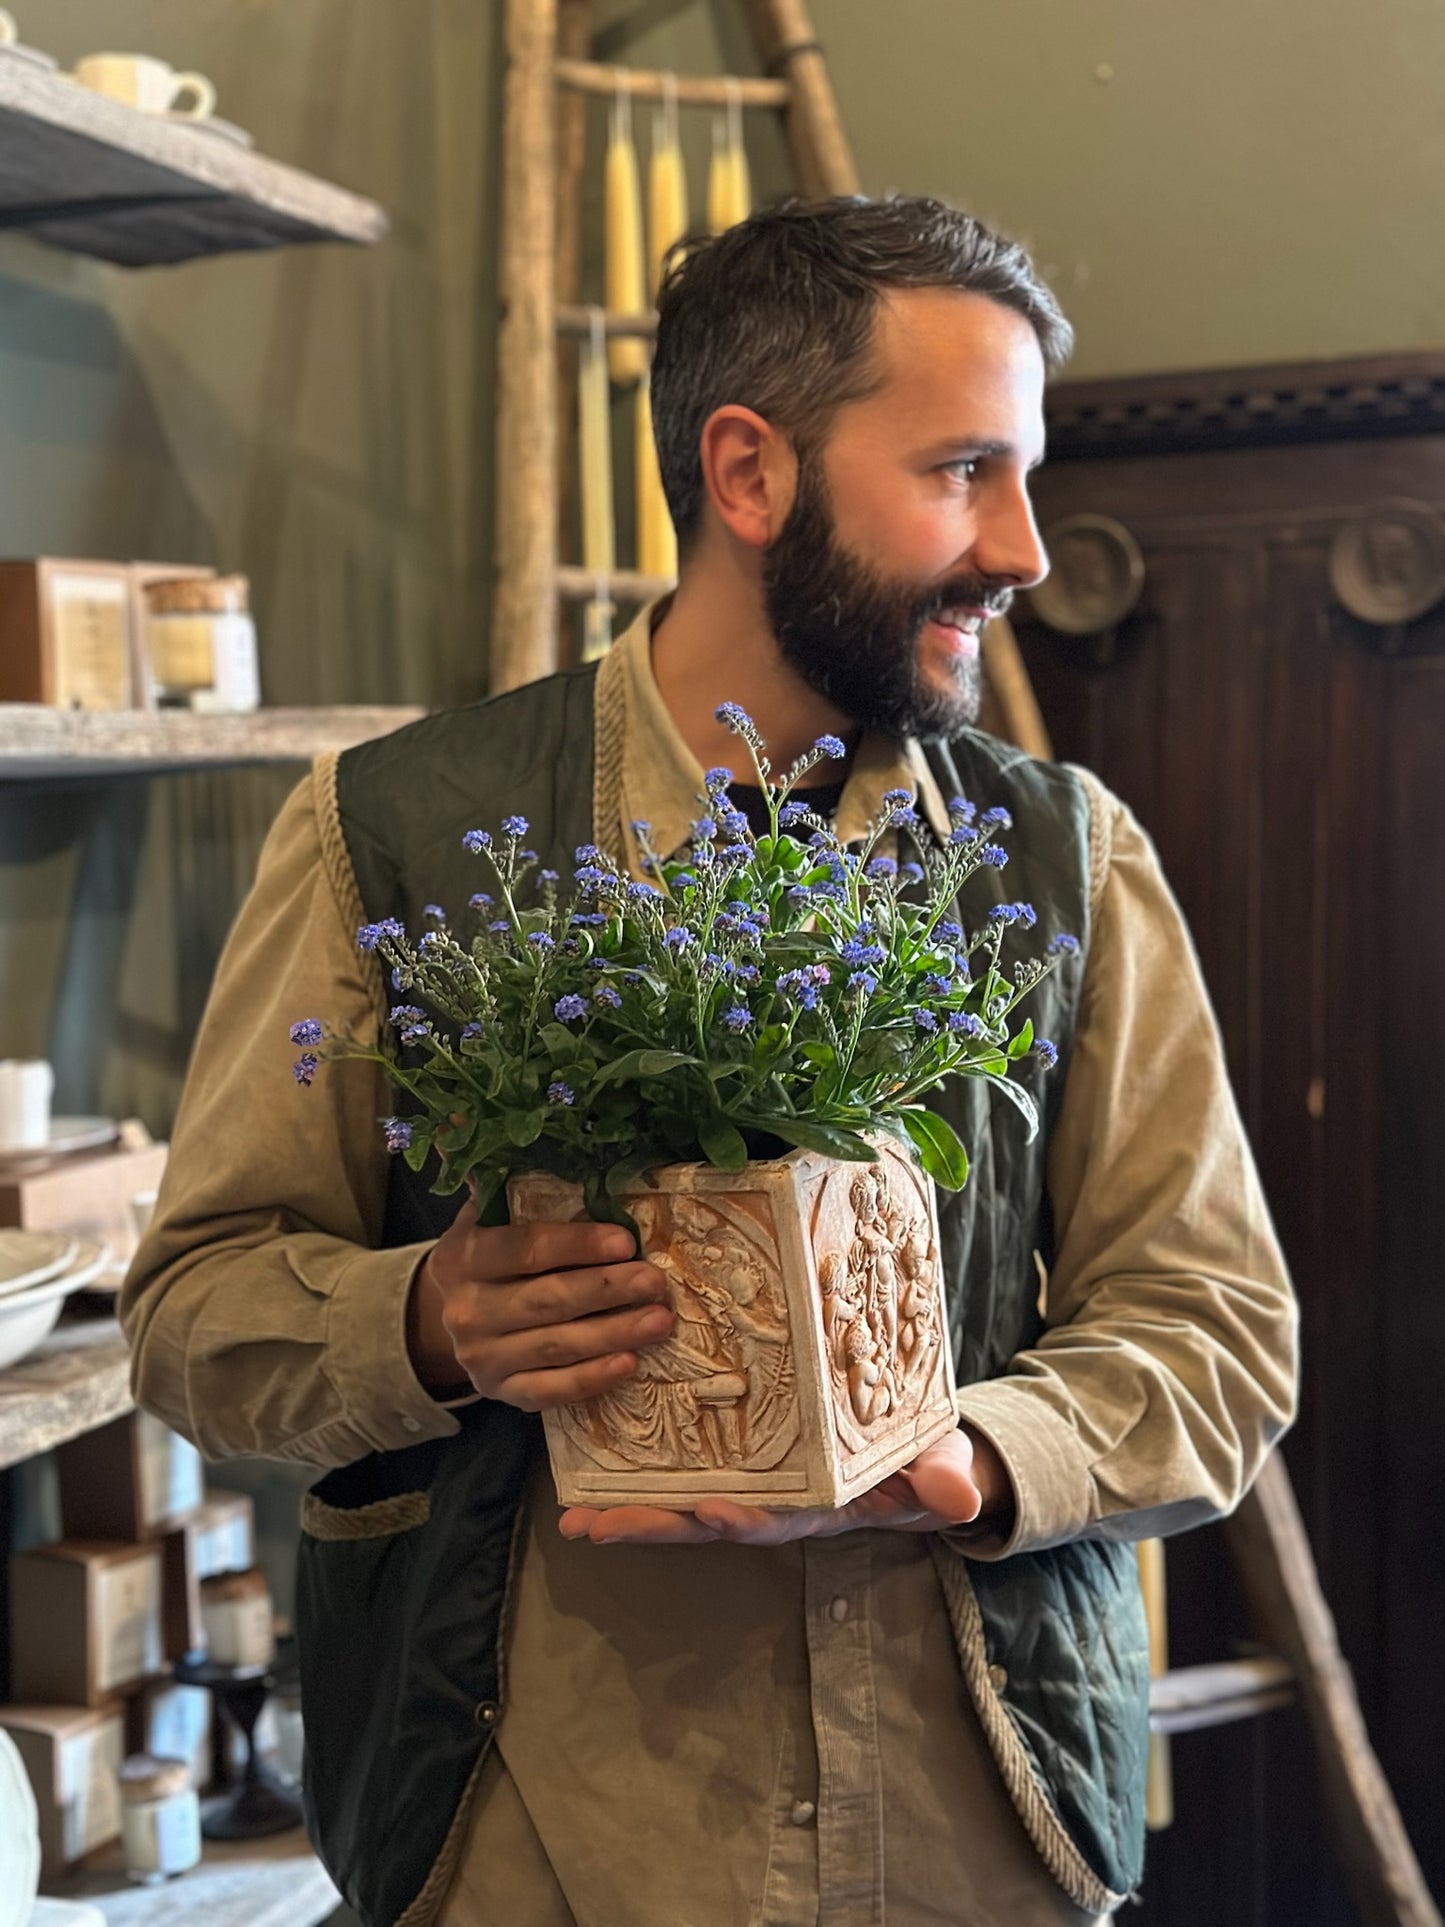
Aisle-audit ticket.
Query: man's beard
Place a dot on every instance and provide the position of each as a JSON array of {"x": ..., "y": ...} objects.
[{"x": 853, "y": 635}]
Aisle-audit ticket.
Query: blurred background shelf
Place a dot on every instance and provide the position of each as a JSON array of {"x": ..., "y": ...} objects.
[
  {"x": 40, "y": 742},
  {"x": 93, "y": 176},
  {"x": 76, "y": 1380}
]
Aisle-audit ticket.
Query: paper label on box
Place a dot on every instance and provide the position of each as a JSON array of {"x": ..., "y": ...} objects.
[
  {"x": 128, "y": 1622},
  {"x": 171, "y": 1477},
  {"x": 178, "y": 1727},
  {"x": 89, "y": 1791},
  {"x": 224, "y": 1547},
  {"x": 90, "y": 643}
]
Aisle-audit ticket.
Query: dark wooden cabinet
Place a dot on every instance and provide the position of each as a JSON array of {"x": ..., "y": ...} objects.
[{"x": 1288, "y": 759}]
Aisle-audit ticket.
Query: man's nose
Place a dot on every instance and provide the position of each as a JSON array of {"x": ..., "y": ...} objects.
[{"x": 1009, "y": 546}]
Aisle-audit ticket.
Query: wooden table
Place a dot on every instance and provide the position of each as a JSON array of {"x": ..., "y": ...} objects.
[{"x": 277, "y": 1882}]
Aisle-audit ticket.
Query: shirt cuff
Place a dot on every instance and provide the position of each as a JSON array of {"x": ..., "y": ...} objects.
[
  {"x": 1053, "y": 1488},
  {"x": 366, "y": 1352}
]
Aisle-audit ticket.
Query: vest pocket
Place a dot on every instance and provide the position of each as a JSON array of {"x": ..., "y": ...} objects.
[{"x": 382, "y": 1519}]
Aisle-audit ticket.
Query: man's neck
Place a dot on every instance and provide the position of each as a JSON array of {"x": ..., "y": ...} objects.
[{"x": 714, "y": 645}]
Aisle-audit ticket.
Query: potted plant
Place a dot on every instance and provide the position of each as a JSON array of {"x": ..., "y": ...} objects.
[{"x": 728, "y": 1057}]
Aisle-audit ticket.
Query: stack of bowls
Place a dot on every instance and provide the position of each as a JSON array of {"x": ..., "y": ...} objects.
[{"x": 38, "y": 1272}]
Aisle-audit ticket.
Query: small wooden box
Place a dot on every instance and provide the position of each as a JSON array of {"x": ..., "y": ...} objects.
[
  {"x": 66, "y": 634},
  {"x": 219, "y": 1536},
  {"x": 70, "y": 1754},
  {"x": 85, "y": 1192},
  {"x": 132, "y": 1479},
  {"x": 85, "y": 1620}
]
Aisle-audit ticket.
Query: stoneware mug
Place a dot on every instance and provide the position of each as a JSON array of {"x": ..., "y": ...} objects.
[
  {"x": 151, "y": 85},
  {"x": 26, "y": 1085}
]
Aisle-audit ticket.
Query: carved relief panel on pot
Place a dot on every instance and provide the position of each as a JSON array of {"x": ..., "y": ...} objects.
[{"x": 809, "y": 1357}]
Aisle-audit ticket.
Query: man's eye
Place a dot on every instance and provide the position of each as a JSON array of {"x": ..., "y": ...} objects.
[{"x": 966, "y": 469}]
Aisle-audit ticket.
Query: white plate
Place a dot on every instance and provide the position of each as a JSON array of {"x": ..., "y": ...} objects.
[
  {"x": 225, "y": 130},
  {"x": 67, "y": 1134},
  {"x": 19, "y": 1837},
  {"x": 31, "y": 1257},
  {"x": 28, "y": 1317}
]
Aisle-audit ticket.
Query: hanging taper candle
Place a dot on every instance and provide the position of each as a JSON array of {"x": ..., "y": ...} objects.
[
  {"x": 594, "y": 445},
  {"x": 666, "y": 187},
  {"x": 656, "y": 541},
  {"x": 729, "y": 185},
  {"x": 626, "y": 286}
]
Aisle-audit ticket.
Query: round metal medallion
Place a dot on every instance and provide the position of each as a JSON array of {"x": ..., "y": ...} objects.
[
  {"x": 1388, "y": 565},
  {"x": 1096, "y": 575}
]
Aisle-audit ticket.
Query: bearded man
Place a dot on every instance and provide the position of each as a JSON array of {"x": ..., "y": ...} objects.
[{"x": 930, "y": 1706}]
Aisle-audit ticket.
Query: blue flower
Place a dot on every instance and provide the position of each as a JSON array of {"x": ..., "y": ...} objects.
[
  {"x": 304, "y": 1069},
  {"x": 963, "y": 1023},
  {"x": 569, "y": 1008},
  {"x": 862, "y": 982},
  {"x": 398, "y": 1133},
  {"x": 937, "y": 986},
  {"x": 717, "y": 779},
  {"x": 643, "y": 893},
  {"x": 854, "y": 952},
  {"x": 704, "y": 828},
  {"x": 925, "y": 1020},
  {"x": 677, "y": 939},
  {"x": 1063, "y": 945},
  {"x": 911, "y": 872},
  {"x": 560, "y": 1093},
  {"x": 640, "y": 826},
  {"x": 308, "y": 1031},
  {"x": 587, "y": 919},
  {"x": 370, "y": 934},
  {"x": 514, "y": 826},
  {"x": 499, "y": 926},
  {"x": 476, "y": 841},
  {"x": 469, "y": 1031},
  {"x": 746, "y": 973},
  {"x": 960, "y": 806},
  {"x": 882, "y": 867},
  {"x": 902, "y": 818},
  {"x": 800, "y": 894},
  {"x": 596, "y": 963},
  {"x": 480, "y": 901},
  {"x": 606, "y": 995},
  {"x": 588, "y": 877},
  {"x": 435, "y": 912},
  {"x": 996, "y": 819},
  {"x": 992, "y": 857},
  {"x": 733, "y": 854},
  {"x": 404, "y": 1014},
  {"x": 587, "y": 853},
  {"x": 734, "y": 717},
  {"x": 892, "y": 798},
  {"x": 799, "y": 984},
  {"x": 737, "y": 1017},
  {"x": 733, "y": 823},
  {"x": 1047, "y": 1051},
  {"x": 429, "y": 939},
  {"x": 540, "y": 940},
  {"x": 791, "y": 813},
  {"x": 961, "y": 834},
  {"x": 546, "y": 876},
  {"x": 526, "y": 856},
  {"x": 831, "y": 747},
  {"x": 949, "y": 933}
]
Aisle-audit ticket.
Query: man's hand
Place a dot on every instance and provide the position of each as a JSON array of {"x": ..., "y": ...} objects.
[
  {"x": 535, "y": 1315},
  {"x": 959, "y": 1481}
]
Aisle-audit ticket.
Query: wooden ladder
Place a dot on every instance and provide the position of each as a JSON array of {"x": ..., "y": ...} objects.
[{"x": 547, "y": 84}]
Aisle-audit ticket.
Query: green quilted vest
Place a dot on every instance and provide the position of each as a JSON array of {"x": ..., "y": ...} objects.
[{"x": 404, "y": 1570}]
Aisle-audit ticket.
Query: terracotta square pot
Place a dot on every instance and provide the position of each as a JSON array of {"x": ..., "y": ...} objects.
[{"x": 810, "y": 1356}]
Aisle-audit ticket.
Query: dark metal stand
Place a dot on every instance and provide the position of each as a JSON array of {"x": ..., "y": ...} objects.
[{"x": 260, "y": 1804}]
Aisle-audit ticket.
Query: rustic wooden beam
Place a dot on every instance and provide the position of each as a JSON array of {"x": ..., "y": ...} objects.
[
  {"x": 524, "y": 612},
  {"x": 787, "y": 46},
  {"x": 689, "y": 90}
]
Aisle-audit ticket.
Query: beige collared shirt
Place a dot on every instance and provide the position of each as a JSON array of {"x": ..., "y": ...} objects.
[{"x": 720, "y": 1734}]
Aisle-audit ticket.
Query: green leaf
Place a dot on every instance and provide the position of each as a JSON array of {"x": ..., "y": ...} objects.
[
  {"x": 627, "y": 1170},
  {"x": 643, "y": 1063},
  {"x": 1025, "y": 1037},
  {"x": 722, "y": 1143},
  {"x": 1018, "y": 1097},
  {"x": 604, "y": 1208},
  {"x": 808, "y": 1135},
  {"x": 491, "y": 1196},
  {"x": 524, "y": 1127},
  {"x": 417, "y": 1152},
  {"x": 939, "y": 1150},
  {"x": 823, "y": 1055}
]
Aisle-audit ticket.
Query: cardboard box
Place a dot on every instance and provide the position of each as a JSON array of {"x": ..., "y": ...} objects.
[
  {"x": 88, "y": 1192},
  {"x": 70, "y": 1754},
  {"x": 85, "y": 1621},
  {"x": 132, "y": 1479},
  {"x": 173, "y": 1722},
  {"x": 66, "y": 634},
  {"x": 219, "y": 1536}
]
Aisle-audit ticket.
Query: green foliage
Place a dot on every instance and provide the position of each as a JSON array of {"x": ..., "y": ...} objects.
[{"x": 759, "y": 993}]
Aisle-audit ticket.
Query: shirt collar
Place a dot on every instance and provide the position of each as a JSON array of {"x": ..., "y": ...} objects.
[{"x": 662, "y": 781}]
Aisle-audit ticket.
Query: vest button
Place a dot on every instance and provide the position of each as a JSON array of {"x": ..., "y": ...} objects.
[
  {"x": 997, "y": 1678},
  {"x": 486, "y": 1713},
  {"x": 838, "y": 1610},
  {"x": 802, "y": 1813}
]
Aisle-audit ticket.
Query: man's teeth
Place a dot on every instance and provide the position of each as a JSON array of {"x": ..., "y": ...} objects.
[{"x": 965, "y": 619}]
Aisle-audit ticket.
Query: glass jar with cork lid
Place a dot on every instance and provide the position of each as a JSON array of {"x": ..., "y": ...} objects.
[
  {"x": 160, "y": 1818},
  {"x": 200, "y": 643}
]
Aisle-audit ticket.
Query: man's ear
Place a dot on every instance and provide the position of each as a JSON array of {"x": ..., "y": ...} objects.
[{"x": 750, "y": 473}]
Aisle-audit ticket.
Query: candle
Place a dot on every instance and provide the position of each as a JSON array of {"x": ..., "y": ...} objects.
[
  {"x": 594, "y": 446},
  {"x": 666, "y": 191},
  {"x": 622, "y": 236},
  {"x": 656, "y": 542}
]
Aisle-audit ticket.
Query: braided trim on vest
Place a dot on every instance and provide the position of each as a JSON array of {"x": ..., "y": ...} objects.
[
  {"x": 424, "y": 1909},
  {"x": 1045, "y": 1829},
  {"x": 1101, "y": 835},
  {"x": 336, "y": 861},
  {"x": 383, "y": 1519},
  {"x": 609, "y": 731}
]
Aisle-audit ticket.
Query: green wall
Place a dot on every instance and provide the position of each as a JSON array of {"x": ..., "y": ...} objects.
[{"x": 1251, "y": 183}]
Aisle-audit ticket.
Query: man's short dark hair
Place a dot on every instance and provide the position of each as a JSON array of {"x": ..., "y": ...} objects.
[{"x": 776, "y": 314}]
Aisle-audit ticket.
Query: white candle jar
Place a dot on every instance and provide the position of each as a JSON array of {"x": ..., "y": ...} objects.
[
  {"x": 236, "y": 1613},
  {"x": 200, "y": 643},
  {"x": 160, "y": 1818}
]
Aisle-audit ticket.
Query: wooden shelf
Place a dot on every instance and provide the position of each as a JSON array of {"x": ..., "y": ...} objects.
[
  {"x": 79, "y": 1378},
  {"x": 93, "y": 176},
  {"x": 273, "y": 1882},
  {"x": 40, "y": 742}
]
